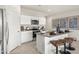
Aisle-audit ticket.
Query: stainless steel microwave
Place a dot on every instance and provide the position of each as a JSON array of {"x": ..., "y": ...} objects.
[{"x": 34, "y": 22}]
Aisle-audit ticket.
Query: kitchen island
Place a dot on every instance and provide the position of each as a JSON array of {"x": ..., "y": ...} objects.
[{"x": 43, "y": 42}]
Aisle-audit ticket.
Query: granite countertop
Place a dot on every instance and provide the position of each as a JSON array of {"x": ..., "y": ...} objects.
[
  {"x": 47, "y": 34},
  {"x": 25, "y": 30}
]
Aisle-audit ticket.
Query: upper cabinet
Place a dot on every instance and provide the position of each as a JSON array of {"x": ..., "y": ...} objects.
[
  {"x": 42, "y": 21},
  {"x": 25, "y": 19},
  {"x": 28, "y": 19}
]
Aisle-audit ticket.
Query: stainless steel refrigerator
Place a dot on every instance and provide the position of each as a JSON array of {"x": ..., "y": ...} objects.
[{"x": 4, "y": 32}]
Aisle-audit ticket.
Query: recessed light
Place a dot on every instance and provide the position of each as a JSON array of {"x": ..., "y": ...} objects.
[{"x": 49, "y": 10}]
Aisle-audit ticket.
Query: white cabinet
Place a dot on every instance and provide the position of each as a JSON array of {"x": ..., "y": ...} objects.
[
  {"x": 25, "y": 19},
  {"x": 34, "y": 17},
  {"x": 40, "y": 43},
  {"x": 42, "y": 21},
  {"x": 26, "y": 36}
]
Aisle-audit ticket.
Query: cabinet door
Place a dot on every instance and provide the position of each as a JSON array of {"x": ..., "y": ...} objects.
[
  {"x": 26, "y": 36},
  {"x": 73, "y": 22},
  {"x": 25, "y": 19},
  {"x": 42, "y": 21}
]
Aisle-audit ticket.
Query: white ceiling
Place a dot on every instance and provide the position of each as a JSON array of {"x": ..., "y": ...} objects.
[{"x": 46, "y": 10}]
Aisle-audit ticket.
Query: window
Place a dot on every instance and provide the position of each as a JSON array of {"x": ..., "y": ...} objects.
[
  {"x": 63, "y": 22},
  {"x": 67, "y": 22},
  {"x": 73, "y": 22}
]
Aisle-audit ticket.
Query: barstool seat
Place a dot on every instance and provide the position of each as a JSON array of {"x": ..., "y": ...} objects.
[
  {"x": 69, "y": 39},
  {"x": 57, "y": 43}
]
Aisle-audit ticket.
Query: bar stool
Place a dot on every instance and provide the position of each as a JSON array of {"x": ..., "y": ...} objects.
[
  {"x": 65, "y": 51},
  {"x": 57, "y": 43},
  {"x": 70, "y": 40}
]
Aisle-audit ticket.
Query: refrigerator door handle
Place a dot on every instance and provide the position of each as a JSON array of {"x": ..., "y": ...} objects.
[{"x": 7, "y": 34}]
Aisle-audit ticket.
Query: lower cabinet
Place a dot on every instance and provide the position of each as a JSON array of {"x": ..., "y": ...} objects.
[
  {"x": 26, "y": 36},
  {"x": 74, "y": 34}
]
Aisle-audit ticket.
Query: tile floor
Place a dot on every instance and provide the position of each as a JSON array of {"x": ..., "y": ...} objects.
[
  {"x": 30, "y": 48},
  {"x": 26, "y": 48}
]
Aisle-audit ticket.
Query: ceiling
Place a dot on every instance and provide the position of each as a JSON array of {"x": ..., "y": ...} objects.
[{"x": 46, "y": 10}]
